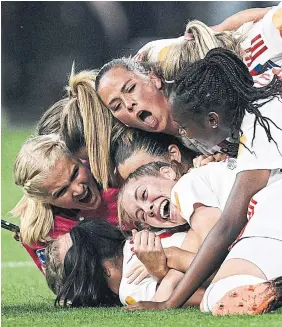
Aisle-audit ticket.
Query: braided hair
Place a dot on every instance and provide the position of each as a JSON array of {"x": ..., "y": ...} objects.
[{"x": 222, "y": 82}]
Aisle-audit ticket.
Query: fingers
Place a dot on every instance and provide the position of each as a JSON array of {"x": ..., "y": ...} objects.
[
  {"x": 219, "y": 157},
  {"x": 197, "y": 161},
  {"x": 203, "y": 160},
  {"x": 138, "y": 275},
  {"x": 132, "y": 269},
  {"x": 278, "y": 72},
  {"x": 134, "y": 232},
  {"x": 144, "y": 238},
  {"x": 158, "y": 243},
  {"x": 137, "y": 241},
  {"x": 144, "y": 273},
  {"x": 206, "y": 160},
  {"x": 151, "y": 240}
]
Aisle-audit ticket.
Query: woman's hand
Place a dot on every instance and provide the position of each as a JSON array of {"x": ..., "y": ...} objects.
[
  {"x": 203, "y": 160},
  {"x": 149, "y": 250},
  {"x": 17, "y": 236},
  {"x": 146, "y": 305},
  {"x": 137, "y": 273},
  {"x": 178, "y": 259}
]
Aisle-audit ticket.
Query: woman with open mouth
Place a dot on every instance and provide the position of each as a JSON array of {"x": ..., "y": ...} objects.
[
  {"x": 248, "y": 280},
  {"x": 59, "y": 191},
  {"x": 135, "y": 92}
]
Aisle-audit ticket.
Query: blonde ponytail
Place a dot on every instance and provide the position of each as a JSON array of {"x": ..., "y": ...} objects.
[
  {"x": 197, "y": 41},
  {"x": 36, "y": 158},
  {"x": 94, "y": 127},
  {"x": 36, "y": 219}
]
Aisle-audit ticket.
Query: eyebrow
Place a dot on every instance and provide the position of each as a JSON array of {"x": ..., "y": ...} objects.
[{"x": 121, "y": 90}]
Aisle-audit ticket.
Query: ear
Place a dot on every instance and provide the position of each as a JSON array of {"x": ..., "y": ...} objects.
[
  {"x": 168, "y": 173},
  {"x": 174, "y": 153},
  {"x": 156, "y": 80},
  {"x": 108, "y": 267},
  {"x": 213, "y": 119}
]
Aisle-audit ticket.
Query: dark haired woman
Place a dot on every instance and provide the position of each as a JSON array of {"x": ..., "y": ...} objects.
[
  {"x": 212, "y": 100},
  {"x": 87, "y": 266}
]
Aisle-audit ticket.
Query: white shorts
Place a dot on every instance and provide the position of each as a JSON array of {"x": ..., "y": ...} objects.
[{"x": 265, "y": 253}]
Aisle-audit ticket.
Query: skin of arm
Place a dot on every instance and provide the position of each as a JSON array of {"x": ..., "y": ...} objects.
[
  {"x": 235, "y": 21},
  {"x": 215, "y": 247}
]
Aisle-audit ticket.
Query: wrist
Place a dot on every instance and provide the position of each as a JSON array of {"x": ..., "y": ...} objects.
[{"x": 160, "y": 274}]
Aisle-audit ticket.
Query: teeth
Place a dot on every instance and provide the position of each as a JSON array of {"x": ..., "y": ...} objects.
[
  {"x": 85, "y": 195},
  {"x": 162, "y": 209}
]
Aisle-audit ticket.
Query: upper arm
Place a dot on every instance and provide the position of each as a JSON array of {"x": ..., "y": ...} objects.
[
  {"x": 203, "y": 220},
  {"x": 237, "y": 20}
]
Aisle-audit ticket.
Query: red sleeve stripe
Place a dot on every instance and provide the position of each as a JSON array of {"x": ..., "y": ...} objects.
[
  {"x": 256, "y": 46},
  {"x": 255, "y": 38},
  {"x": 259, "y": 53}
]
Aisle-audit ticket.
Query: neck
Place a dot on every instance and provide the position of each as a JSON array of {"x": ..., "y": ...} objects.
[
  {"x": 115, "y": 274},
  {"x": 172, "y": 128}
]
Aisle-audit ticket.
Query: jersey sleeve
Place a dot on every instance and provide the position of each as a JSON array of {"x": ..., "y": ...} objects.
[
  {"x": 260, "y": 153},
  {"x": 263, "y": 42},
  {"x": 194, "y": 187}
]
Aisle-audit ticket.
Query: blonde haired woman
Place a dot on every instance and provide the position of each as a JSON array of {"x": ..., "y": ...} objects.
[
  {"x": 59, "y": 190},
  {"x": 251, "y": 34}
]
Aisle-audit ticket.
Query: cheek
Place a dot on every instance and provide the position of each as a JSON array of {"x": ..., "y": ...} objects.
[{"x": 65, "y": 201}]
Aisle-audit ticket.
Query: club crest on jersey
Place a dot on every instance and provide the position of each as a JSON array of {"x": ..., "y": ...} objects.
[
  {"x": 41, "y": 256},
  {"x": 231, "y": 163}
]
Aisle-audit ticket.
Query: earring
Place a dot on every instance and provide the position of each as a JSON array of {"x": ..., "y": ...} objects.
[
  {"x": 182, "y": 131},
  {"x": 214, "y": 126}
]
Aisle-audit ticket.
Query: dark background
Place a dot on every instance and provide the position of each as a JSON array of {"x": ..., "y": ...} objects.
[{"x": 40, "y": 40}]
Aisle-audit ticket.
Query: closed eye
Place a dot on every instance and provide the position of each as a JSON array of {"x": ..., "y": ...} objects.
[
  {"x": 131, "y": 88},
  {"x": 144, "y": 195},
  {"x": 60, "y": 193},
  {"x": 117, "y": 107},
  {"x": 140, "y": 215}
]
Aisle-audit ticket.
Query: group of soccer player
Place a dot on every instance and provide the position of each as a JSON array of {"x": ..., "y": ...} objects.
[{"x": 155, "y": 182}]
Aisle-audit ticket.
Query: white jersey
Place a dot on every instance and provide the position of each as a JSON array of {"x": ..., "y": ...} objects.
[
  {"x": 209, "y": 185},
  {"x": 146, "y": 289},
  {"x": 263, "y": 42},
  {"x": 260, "y": 153}
]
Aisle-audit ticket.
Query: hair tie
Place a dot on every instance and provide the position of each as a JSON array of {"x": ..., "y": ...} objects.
[
  {"x": 188, "y": 36},
  {"x": 169, "y": 82}
]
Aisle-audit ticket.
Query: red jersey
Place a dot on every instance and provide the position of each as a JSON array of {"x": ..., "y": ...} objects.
[{"x": 106, "y": 211}]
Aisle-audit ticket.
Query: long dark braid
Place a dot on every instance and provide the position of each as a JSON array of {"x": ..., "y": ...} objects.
[{"x": 222, "y": 80}]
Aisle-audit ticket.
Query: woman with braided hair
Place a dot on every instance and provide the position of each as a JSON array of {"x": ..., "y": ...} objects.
[{"x": 212, "y": 100}]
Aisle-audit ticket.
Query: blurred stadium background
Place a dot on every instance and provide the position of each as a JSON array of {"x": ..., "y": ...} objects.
[{"x": 40, "y": 41}]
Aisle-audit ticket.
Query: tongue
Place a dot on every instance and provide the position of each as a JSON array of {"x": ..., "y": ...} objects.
[{"x": 150, "y": 120}]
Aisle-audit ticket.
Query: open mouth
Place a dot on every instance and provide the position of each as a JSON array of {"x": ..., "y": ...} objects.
[
  {"x": 87, "y": 196},
  {"x": 147, "y": 118},
  {"x": 165, "y": 209}
]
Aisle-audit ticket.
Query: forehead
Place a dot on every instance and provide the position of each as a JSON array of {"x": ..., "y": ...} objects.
[
  {"x": 59, "y": 174},
  {"x": 135, "y": 161},
  {"x": 116, "y": 77}
]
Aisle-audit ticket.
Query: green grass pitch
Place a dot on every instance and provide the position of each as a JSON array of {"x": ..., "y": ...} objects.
[{"x": 26, "y": 300}]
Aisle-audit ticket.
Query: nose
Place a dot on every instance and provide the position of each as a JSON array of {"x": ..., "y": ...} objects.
[
  {"x": 77, "y": 189},
  {"x": 150, "y": 211},
  {"x": 130, "y": 104}
]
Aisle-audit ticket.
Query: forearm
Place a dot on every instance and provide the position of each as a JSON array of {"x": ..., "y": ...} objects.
[
  {"x": 167, "y": 285},
  {"x": 235, "y": 21},
  {"x": 208, "y": 259},
  {"x": 179, "y": 259},
  {"x": 215, "y": 247}
]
